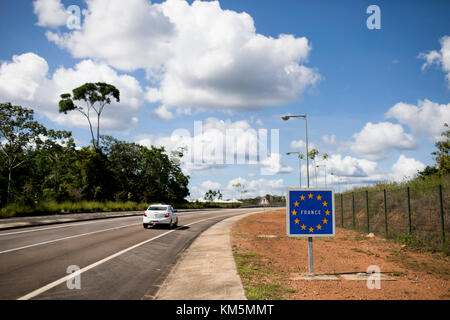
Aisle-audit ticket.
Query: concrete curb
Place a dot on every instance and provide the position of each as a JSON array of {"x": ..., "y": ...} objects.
[{"x": 206, "y": 270}]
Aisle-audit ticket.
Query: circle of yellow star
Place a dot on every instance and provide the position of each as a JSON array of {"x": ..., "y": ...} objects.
[
  {"x": 302, "y": 197},
  {"x": 310, "y": 196},
  {"x": 319, "y": 197},
  {"x": 296, "y": 203},
  {"x": 319, "y": 227},
  {"x": 325, "y": 221},
  {"x": 294, "y": 212},
  {"x": 303, "y": 227},
  {"x": 296, "y": 221},
  {"x": 324, "y": 203},
  {"x": 311, "y": 229},
  {"x": 327, "y": 212}
]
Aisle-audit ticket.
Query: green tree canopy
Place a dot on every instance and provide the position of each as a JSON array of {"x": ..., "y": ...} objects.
[
  {"x": 95, "y": 96},
  {"x": 18, "y": 134}
]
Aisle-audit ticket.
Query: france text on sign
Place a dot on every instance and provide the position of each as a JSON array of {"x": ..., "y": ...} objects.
[{"x": 310, "y": 212}]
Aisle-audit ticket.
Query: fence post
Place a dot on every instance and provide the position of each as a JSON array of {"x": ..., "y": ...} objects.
[
  {"x": 342, "y": 211},
  {"x": 353, "y": 210},
  {"x": 442, "y": 215},
  {"x": 367, "y": 211},
  {"x": 409, "y": 211},
  {"x": 385, "y": 214}
]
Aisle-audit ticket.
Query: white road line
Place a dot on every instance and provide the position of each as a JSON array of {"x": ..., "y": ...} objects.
[
  {"x": 65, "y": 238},
  {"x": 95, "y": 264},
  {"x": 64, "y": 226}
]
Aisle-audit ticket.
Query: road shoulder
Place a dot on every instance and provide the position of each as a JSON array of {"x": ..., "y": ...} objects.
[{"x": 206, "y": 270}]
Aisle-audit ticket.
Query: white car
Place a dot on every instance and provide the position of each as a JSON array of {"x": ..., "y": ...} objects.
[{"x": 160, "y": 214}]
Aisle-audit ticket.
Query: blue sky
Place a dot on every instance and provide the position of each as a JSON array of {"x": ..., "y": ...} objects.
[{"x": 376, "y": 100}]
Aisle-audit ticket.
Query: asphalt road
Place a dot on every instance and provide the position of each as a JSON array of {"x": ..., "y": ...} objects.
[{"x": 117, "y": 258}]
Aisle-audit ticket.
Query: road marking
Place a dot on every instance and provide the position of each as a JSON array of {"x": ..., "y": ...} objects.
[
  {"x": 69, "y": 237},
  {"x": 64, "y": 226},
  {"x": 95, "y": 264}
]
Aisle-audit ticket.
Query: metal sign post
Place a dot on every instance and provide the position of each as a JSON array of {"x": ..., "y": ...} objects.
[{"x": 310, "y": 213}]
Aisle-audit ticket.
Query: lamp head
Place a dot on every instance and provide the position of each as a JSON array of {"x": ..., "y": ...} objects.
[{"x": 285, "y": 118}]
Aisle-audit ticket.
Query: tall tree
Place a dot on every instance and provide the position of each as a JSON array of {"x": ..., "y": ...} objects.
[
  {"x": 96, "y": 96},
  {"x": 19, "y": 133}
]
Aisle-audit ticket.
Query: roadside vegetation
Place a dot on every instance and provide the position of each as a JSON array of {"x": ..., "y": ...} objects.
[
  {"x": 43, "y": 171},
  {"x": 414, "y": 212}
]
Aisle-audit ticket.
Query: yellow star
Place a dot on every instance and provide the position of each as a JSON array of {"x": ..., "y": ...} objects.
[
  {"x": 319, "y": 197},
  {"x": 325, "y": 220},
  {"x": 294, "y": 212},
  {"x": 324, "y": 203},
  {"x": 303, "y": 227},
  {"x": 310, "y": 196},
  {"x": 296, "y": 221},
  {"x": 327, "y": 212},
  {"x": 311, "y": 229},
  {"x": 296, "y": 203},
  {"x": 302, "y": 197},
  {"x": 319, "y": 227}
]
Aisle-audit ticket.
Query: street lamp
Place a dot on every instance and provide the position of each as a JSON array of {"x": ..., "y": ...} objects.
[
  {"x": 339, "y": 181},
  {"x": 310, "y": 239},
  {"x": 325, "y": 166},
  {"x": 306, "y": 138},
  {"x": 300, "y": 157}
]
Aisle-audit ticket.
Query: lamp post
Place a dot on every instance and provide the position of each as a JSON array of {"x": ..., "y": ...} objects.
[
  {"x": 310, "y": 239},
  {"x": 300, "y": 157},
  {"x": 306, "y": 139},
  {"x": 339, "y": 181},
  {"x": 325, "y": 166}
]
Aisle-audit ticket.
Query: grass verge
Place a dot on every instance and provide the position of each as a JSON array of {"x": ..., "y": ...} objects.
[{"x": 260, "y": 282}]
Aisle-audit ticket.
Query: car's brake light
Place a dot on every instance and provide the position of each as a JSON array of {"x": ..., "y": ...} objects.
[
  {"x": 167, "y": 214},
  {"x": 145, "y": 214}
]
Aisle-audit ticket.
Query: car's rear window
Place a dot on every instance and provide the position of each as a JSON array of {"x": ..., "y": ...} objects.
[{"x": 157, "y": 208}]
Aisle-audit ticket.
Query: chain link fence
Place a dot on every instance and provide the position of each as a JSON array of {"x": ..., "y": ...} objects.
[{"x": 418, "y": 215}]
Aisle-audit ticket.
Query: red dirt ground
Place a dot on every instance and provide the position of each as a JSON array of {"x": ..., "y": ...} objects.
[{"x": 418, "y": 275}]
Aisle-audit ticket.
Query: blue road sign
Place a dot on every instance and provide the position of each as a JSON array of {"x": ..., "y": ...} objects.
[{"x": 310, "y": 212}]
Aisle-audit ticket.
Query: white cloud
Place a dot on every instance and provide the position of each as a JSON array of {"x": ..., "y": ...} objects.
[
  {"x": 258, "y": 187},
  {"x": 126, "y": 36},
  {"x": 26, "y": 81},
  {"x": 300, "y": 145},
  {"x": 427, "y": 117},
  {"x": 273, "y": 165},
  {"x": 406, "y": 168},
  {"x": 50, "y": 13},
  {"x": 21, "y": 78},
  {"x": 199, "y": 190},
  {"x": 162, "y": 113},
  {"x": 350, "y": 166},
  {"x": 441, "y": 57},
  {"x": 377, "y": 141},
  {"x": 217, "y": 143},
  {"x": 329, "y": 139},
  {"x": 198, "y": 54}
]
